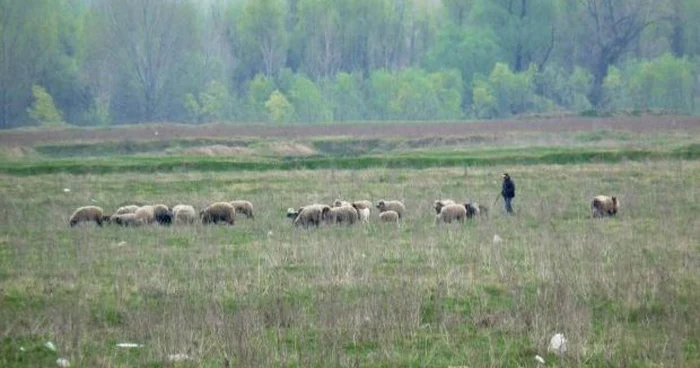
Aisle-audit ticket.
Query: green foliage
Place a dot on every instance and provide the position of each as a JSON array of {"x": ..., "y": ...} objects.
[
  {"x": 212, "y": 104},
  {"x": 280, "y": 110},
  {"x": 261, "y": 34},
  {"x": 567, "y": 91},
  {"x": 485, "y": 105},
  {"x": 512, "y": 93},
  {"x": 523, "y": 29},
  {"x": 666, "y": 83},
  {"x": 349, "y": 102},
  {"x": 381, "y": 89},
  {"x": 472, "y": 51},
  {"x": 98, "y": 114},
  {"x": 115, "y": 61},
  {"x": 307, "y": 101},
  {"x": 614, "y": 90},
  {"x": 321, "y": 50},
  {"x": 258, "y": 93},
  {"x": 28, "y": 40},
  {"x": 43, "y": 109}
]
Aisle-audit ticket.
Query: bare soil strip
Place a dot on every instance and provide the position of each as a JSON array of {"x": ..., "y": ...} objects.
[{"x": 374, "y": 129}]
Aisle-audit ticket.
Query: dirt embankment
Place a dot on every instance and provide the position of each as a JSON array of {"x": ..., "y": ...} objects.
[{"x": 28, "y": 138}]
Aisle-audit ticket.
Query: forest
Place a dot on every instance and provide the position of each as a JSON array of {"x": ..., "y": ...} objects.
[{"x": 108, "y": 62}]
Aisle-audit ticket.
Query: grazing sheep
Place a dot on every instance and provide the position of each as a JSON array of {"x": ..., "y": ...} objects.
[
  {"x": 127, "y": 209},
  {"x": 88, "y": 214},
  {"x": 126, "y": 219},
  {"x": 312, "y": 215},
  {"x": 452, "y": 212},
  {"x": 218, "y": 212},
  {"x": 473, "y": 209},
  {"x": 483, "y": 210},
  {"x": 184, "y": 214},
  {"x": 146, "y": 214},
  {"x": 292, "y": 213},
  {"x": 362, "y": 212},
  {"x": 341, "y": 215},
  {"x": 440, "y": 203},
  {"x": 162, "y": 214},
  {"x": 389, "y": 216},
  {"x": 244, "y": 207},
  {"x": 604, "y": 206},
  {"x": 360, "y": 205},
  {"x": 396, "y": 206},
  {"x": 341, "y": 203}
]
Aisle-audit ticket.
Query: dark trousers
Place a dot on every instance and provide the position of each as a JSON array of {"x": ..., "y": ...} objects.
[{"x": 507, "y": 201}]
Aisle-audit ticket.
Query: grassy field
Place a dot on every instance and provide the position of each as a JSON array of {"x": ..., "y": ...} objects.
[{"x": 625, "y": 291}]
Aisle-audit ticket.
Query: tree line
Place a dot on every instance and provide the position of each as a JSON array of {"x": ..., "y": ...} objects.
[{"x": 101, "y": 62}]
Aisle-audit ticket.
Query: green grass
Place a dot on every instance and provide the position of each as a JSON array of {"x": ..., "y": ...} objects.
[
  {"x": 411, "y": 159},
  {"x": 624, "y": 290}
]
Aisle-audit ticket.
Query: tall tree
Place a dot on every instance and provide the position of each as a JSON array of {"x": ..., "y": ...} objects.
[
  {"x": 610, "y": 27},
  {"x": 524, "y": 28},
  {"x": 458, "y": 10},
  {"x": 145, "y": 40},
  {"x": 317, "y": 33},
  {"x": 28, "y": 34},
  {"x": 262, "y": 35}
]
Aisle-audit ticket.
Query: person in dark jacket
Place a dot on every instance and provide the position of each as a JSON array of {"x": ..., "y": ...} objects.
[{"x": 508, "y": 192}]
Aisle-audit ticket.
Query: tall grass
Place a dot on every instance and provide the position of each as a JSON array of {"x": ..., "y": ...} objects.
[{"x": 623, "y": 290}]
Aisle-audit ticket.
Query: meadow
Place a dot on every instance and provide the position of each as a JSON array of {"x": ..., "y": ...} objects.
[{"x": 624, "y": 291}]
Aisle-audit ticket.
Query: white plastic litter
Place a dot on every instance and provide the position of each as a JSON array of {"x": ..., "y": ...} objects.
[
  {"x": 178, "y": 357},
  {"x": 539, "y": 359},
  {"x": 557, "y": 344},
  {"x": 62, "y": 362},
  {"x": 21, "y": 348},
  {"x": 66, "y": 190},
  {"x": 50, "y": 345},
  {"x": 129, "y": 345},
  {"x": 497, "y": 240}
]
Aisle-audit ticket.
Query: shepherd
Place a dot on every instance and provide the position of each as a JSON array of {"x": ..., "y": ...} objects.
[{"x": 508, "y": 192}]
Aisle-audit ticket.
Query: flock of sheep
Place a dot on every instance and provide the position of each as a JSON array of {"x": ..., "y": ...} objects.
[
  {"x": 339, "y": 212},
  {"x": 182, "y": 214}
]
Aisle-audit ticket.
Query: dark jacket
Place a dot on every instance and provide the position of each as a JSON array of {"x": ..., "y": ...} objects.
[{"x": 508, "y": 188}]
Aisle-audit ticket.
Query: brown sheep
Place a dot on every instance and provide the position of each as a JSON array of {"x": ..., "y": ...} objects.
[
  {"x": 602, "y": 206},
  {"x": 396, "y": 206},
  {"x": 244, "y": 207},
  {"x": 146, "y": 214},
  {"x": 389, "y": 216},
  {"x": 311, "y": 215},
  {"x": 341, "y": 215},
  {"x": 218, "y": 212},
  {"x": 440, "y": 203},
  {"x": 127, "y": 209},
  {"x": 452, "y": 212},
  {"x": 184, "y": 214},
  {"x": 126, "y": 219},
  {"x": 88, "y": 214}
]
